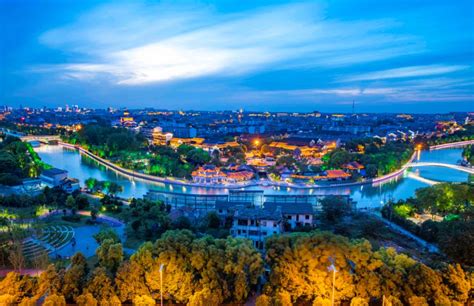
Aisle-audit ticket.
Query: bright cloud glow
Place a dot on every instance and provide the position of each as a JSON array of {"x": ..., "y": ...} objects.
[{"x": 288, "y": 36}]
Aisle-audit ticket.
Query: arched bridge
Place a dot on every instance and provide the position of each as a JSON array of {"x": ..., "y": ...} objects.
[
  {"x": 41, "y": 138},
  {"x": 432, "y": 164}
]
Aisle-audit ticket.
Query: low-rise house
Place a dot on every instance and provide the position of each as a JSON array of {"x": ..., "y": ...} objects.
[
  {"x": 337, "y": 175},
  {"x": 53, "y": 177},
  {"x": 353, "y": 167},
  {"x": 257, "y": 224},
  {"x": 295, "y": 214},
  {"x": 210, "y": 174}
]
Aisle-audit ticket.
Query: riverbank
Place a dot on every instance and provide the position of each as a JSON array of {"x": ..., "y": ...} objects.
[{"x": 265, "y": 183}]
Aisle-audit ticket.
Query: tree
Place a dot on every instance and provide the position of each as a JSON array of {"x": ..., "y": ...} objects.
[
  {"x": 86, "y": 299},
  {"x": 101, "y": 287},
  {"x": 91, "y": 183},
  {"x": 16, "y": 257},
  {"x": 213, "y": 220},
  {"x": 54, "y": 300},
  {"x": 71, "y": 204},
  {"x": 198, "y": 156},
  {"x": 263, "y": 300},
  {"x": 75, "y": 277},
  {"x": 107, "y": 234},
  {"x": 110, "y": 254},
  {"x": 144, "y": 300},
  {"x": 82, "y": 202},
  {"x": 114, "y": 188},
  {"x": 335, "y": 207}
]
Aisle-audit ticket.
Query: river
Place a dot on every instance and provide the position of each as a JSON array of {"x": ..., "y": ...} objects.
[{"x": 83, "y": 167}]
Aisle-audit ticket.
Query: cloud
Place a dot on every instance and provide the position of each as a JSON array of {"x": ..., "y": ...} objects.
[
  {"x": 406, "y": 72},
  {"x": 135, "y": 44}
]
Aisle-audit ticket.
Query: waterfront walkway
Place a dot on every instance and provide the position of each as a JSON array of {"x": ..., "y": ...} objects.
[
  {"x": 452, "y": 145},
  {"x": 433, "y": 164}
]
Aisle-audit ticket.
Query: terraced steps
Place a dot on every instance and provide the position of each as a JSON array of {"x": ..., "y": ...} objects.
[{"x": 52, "y": 238}]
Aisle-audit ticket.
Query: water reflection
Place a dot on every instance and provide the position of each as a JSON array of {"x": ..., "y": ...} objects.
[{"x": 83, "y": 167}]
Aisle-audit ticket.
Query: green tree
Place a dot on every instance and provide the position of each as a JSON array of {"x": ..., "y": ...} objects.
[
  {"x": 110, "y": 254},
  {"x": 75, "y": 277},
  {"x": 91, "y": 183},
  {"x": 71, "y": 204},
  {"x": 335, "y": 207},
  {"x": 114, "y": 188}
]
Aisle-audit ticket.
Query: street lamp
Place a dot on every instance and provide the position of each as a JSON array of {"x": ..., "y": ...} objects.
[
  {"x": 332, "y": 268},
  {"x": 161, "y": 283}
]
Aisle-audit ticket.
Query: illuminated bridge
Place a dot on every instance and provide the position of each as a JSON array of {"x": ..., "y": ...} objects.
[
  {"x": 430, "y": 164},
  {"x": 41, "y": 138}
]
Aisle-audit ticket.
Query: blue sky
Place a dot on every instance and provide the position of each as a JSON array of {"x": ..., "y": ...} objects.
[{"x": 388, "y": 56}]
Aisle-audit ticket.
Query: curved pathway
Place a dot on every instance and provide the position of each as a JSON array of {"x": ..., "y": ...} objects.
[
  {"x": 452, "y": 145},
  {"x": 433, "y": 164}
]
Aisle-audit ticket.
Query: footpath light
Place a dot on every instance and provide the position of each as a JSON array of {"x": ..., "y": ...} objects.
[{"x": 161, "y": 284}]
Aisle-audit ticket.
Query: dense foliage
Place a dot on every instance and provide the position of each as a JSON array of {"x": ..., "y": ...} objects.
[
  {"x": 197, "y": 271},
  {"x": 467, "y": 133},
  {"x": 131, "y": 151},
  {"x": 455, "y": 232},
  {"x": 468, "y": 154},
  {"x": 18, "y": 160},
  {"x": 299, "y": 273},
  {"x": 377, "y": 157},
  {"x": 209, "y": 271},
  {"x": 106, "y": 141}
]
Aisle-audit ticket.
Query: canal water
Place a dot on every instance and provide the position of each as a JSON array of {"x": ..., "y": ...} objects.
[{"x": 83, "y": 167}]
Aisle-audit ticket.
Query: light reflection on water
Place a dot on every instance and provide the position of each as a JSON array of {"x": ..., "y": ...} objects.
[{"x": 82, "y": 167}]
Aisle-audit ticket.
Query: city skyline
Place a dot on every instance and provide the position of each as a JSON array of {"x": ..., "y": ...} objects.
[{"x": 222, "y": 56}]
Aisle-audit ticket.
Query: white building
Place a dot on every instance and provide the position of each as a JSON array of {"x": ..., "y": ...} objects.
[
  {"x": 256, "y": 224},
  {"x": 295, "y": 214},
  {"x": 53, "y": 177}
]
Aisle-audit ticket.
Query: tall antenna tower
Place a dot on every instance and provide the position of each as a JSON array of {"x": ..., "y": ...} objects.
[{"x": 353, "y": 107}]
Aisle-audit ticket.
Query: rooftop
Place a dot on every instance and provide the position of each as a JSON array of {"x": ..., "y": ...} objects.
[
  {"x": 53, "y": 171},
  {"x": 290, "y": 208}
]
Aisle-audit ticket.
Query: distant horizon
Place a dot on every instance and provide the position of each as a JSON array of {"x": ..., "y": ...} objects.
[
  {"x": 392, "y": 56},
  {"x": 244, "y": 110}
]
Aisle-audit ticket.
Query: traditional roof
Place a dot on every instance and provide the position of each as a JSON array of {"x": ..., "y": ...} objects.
[
  {"x": 336, "y": 174},
  {"x": 353, "y": 166}
]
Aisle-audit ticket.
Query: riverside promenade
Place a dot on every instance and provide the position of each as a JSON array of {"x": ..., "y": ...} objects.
[
  {"x": 264, "y": 183},
  {"x": 452, "y": 145}
]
